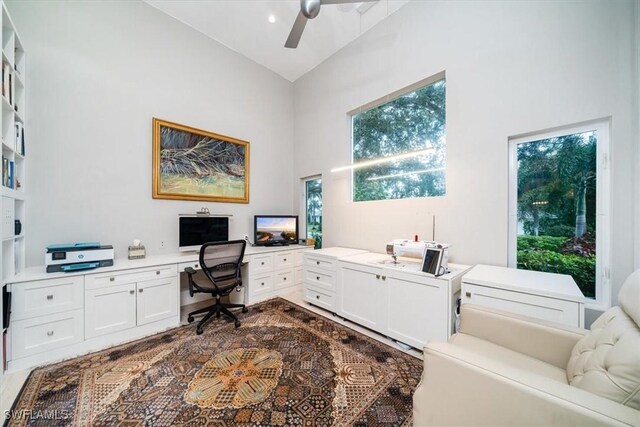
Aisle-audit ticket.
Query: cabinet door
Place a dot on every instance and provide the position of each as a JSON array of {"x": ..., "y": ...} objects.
[
  {"x": 157, "y": 300},
  {"x": 110, "y": 309},
  {"x": 362, "y": 296},
  {"x": 417, "y": 312}
]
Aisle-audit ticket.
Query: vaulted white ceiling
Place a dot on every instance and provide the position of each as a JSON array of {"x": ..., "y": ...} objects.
[{"x": 244, "y": 26}]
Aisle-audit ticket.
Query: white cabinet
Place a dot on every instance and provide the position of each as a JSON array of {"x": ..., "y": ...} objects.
[
  {"x": 42, "y": 297},
  {"x": 318, "y": 271},
  {"x": 545, "y": 296},
  {"x": 418, "y": 310},
  {"x": 45, "y": 333},
  {"x": 130, "y": 298},
  {"x": 362, "y": 296},
  {"x": 273, "y": 273},
  {"x": 110, "y": 309},
  {"x": 156, "y": 300},
  {"x": 402, "y": 303}
]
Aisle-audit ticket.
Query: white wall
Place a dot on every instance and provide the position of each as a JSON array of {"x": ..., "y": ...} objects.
[
  {"x": 511, "y": 68},
  {"x": 97, "y": 74}
]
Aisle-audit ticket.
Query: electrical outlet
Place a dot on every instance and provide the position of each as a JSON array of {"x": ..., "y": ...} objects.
[
  {"x": 246, "y": 237},
  {"x": 161, "y": 244}
]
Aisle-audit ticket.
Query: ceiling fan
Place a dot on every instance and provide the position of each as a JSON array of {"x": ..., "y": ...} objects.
[{"x": 309, "y": 9}]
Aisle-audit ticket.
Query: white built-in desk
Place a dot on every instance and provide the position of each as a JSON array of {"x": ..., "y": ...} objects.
[{"x": 60, "y": 315}]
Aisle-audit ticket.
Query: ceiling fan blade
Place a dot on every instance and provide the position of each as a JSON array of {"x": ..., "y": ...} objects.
[
  {"x": 343, "y": 1},
  {"x": 296, "y": 31}
]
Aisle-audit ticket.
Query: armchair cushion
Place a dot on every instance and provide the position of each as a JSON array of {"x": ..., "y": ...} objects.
[
  {"x": 508, "y": 357},
  {"x": 607, "y": 360}
]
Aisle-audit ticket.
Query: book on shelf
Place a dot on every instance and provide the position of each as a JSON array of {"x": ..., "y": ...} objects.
[
  {"x": 19, "y": 139},
  {"x": 6, "y": 84},
  {"x": 8, "y": 172}
]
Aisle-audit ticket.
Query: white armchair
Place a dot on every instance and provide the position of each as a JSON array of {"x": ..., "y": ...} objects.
[{"x": 504, "y": 369}]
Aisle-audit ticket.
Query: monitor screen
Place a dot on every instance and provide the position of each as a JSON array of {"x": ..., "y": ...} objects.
[
  {"x": 272, "y": 229},
  {"x": 195, "y": 231}
]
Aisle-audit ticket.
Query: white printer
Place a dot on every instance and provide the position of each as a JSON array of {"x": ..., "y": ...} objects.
[{"x": 78, "y": 256}]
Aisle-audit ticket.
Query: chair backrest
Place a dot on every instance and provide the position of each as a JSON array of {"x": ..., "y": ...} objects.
[
  {"x": 607, "y": 360},
  {"x": 221, "y": 261}
]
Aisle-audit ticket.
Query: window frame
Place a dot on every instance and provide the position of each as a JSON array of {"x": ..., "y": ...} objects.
[
  {"x": 603, "y": 201},
  {"x": 381, "y": 101},
  {"x": 303, "y": 201}
]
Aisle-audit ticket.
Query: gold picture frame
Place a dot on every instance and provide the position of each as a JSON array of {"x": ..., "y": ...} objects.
[{"x": 193, "y": 164}]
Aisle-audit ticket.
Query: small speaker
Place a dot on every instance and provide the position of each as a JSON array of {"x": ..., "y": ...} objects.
[{"x": 18, "y": 228}]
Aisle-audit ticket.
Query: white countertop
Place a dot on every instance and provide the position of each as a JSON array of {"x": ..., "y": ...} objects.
[
  {"x": 338, "y": 252},
  {"x": 560, "y": 286},
  {"x": 39, "y": 272},
  {"x": 407, "y": 265}
]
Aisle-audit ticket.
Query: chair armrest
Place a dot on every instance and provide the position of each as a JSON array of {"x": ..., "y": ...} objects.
[
  {"x": 546, "y": 341},
  {"x": 460, "y": 387},
  {"x": 190, "y": 271}
]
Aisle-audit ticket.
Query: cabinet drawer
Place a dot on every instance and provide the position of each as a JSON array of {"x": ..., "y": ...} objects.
[
  {"x": 319, "y": 262},
  {"x": 320, "y": 279},
  {"x": 261, "y": 263},
  {"x": 41, "y": 334},
  {"x": 284, "y": 279},
  {"x": 32, "y": 299},
  {"x": 195, "y": 265},
  {"x": 319, "y": 297},
  {"x": 536, "y": 306},
  {"x": 96, "y": 281},
  {"x": 284, "y": 260},
  {"x": 260, "y": 285}
]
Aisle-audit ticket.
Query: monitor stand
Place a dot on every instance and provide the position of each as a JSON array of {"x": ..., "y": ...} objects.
[{"x": 277, "y": 243}]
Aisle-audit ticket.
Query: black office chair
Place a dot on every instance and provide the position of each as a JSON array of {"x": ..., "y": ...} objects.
[{"x": 221, "y": 263}]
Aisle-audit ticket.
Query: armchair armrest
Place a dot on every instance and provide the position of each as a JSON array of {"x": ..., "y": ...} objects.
[
  {"x": 190, "y": 271},
  {"x": 546, "y": 341},
  {"x": 460, "y": 387}
]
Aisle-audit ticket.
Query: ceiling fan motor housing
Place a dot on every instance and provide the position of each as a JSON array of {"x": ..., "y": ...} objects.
[{"x": 310, "y": 8}]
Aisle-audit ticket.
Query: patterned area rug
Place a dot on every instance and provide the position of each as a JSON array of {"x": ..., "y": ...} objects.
[{"x": 285, "y": 366}]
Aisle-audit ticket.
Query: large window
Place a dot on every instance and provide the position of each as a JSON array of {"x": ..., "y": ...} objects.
[
  {"x": 399, "y": 148},
  {"x": 313, "y": 209},
  {"x": 559, "y": 208}
]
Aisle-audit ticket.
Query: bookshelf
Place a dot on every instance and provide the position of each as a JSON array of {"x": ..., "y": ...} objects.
[{"x": 12, "y": 179}]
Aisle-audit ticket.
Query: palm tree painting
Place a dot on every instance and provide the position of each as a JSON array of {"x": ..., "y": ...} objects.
[{"x": 192, "y": 164}]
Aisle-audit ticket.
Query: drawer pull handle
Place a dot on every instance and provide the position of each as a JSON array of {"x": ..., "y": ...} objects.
[
  {"x": 50, "y": 333},
  {"x": 285, "y": 260},
  {"x": 132, "y": 292},
  {"x": 285, "y": 278},
  {"x": 377, "y": 276},
  {"x": 468, "y": 294},
  {"x": 317, "y": 262},
  {"x": 140, "y": 290},
  {"x": 49, "y": 297},
  {"x": 317, "y": 277},
  {"x": 111, "y": 279},
  {"x": 158, "y": 272},
  {"x": 262, "y": 284},
  {"x": 262, "y": 263},
  {"x": 195, "y": 265},
  {"x": 317, "y": 296},
  {"x": 384, "y": 277}
]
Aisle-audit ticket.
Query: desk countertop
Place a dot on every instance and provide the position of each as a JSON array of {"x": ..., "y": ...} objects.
[{"x": 39, "y": 272}]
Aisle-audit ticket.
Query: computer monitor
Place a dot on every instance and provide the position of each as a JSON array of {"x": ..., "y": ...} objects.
[
  {"x": 276, "y": 230},
  {"x": 197, "y": 230}
]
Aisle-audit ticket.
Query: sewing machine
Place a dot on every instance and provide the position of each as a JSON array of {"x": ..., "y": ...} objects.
[{"x": 434, "y": 255}]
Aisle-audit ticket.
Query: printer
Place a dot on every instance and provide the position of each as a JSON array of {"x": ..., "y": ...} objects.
[{"x": 78, "y": 256}]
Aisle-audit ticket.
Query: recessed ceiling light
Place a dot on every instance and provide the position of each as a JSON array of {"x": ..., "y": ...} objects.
[{"x": 272, "y": 18}]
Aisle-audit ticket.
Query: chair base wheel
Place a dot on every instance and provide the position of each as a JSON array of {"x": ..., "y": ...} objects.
[
  {"x": 190, "y": 319},
  {"x": 199, "y": 330},
  {"x": 237, "y": 323},
  {"x": 245, "y": 309}
]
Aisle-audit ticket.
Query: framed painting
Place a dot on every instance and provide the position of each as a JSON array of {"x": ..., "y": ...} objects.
[{"x": 193, "y": 164}]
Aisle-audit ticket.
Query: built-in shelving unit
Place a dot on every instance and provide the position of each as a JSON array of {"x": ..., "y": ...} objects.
[{"x": 12, "y": 179}]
